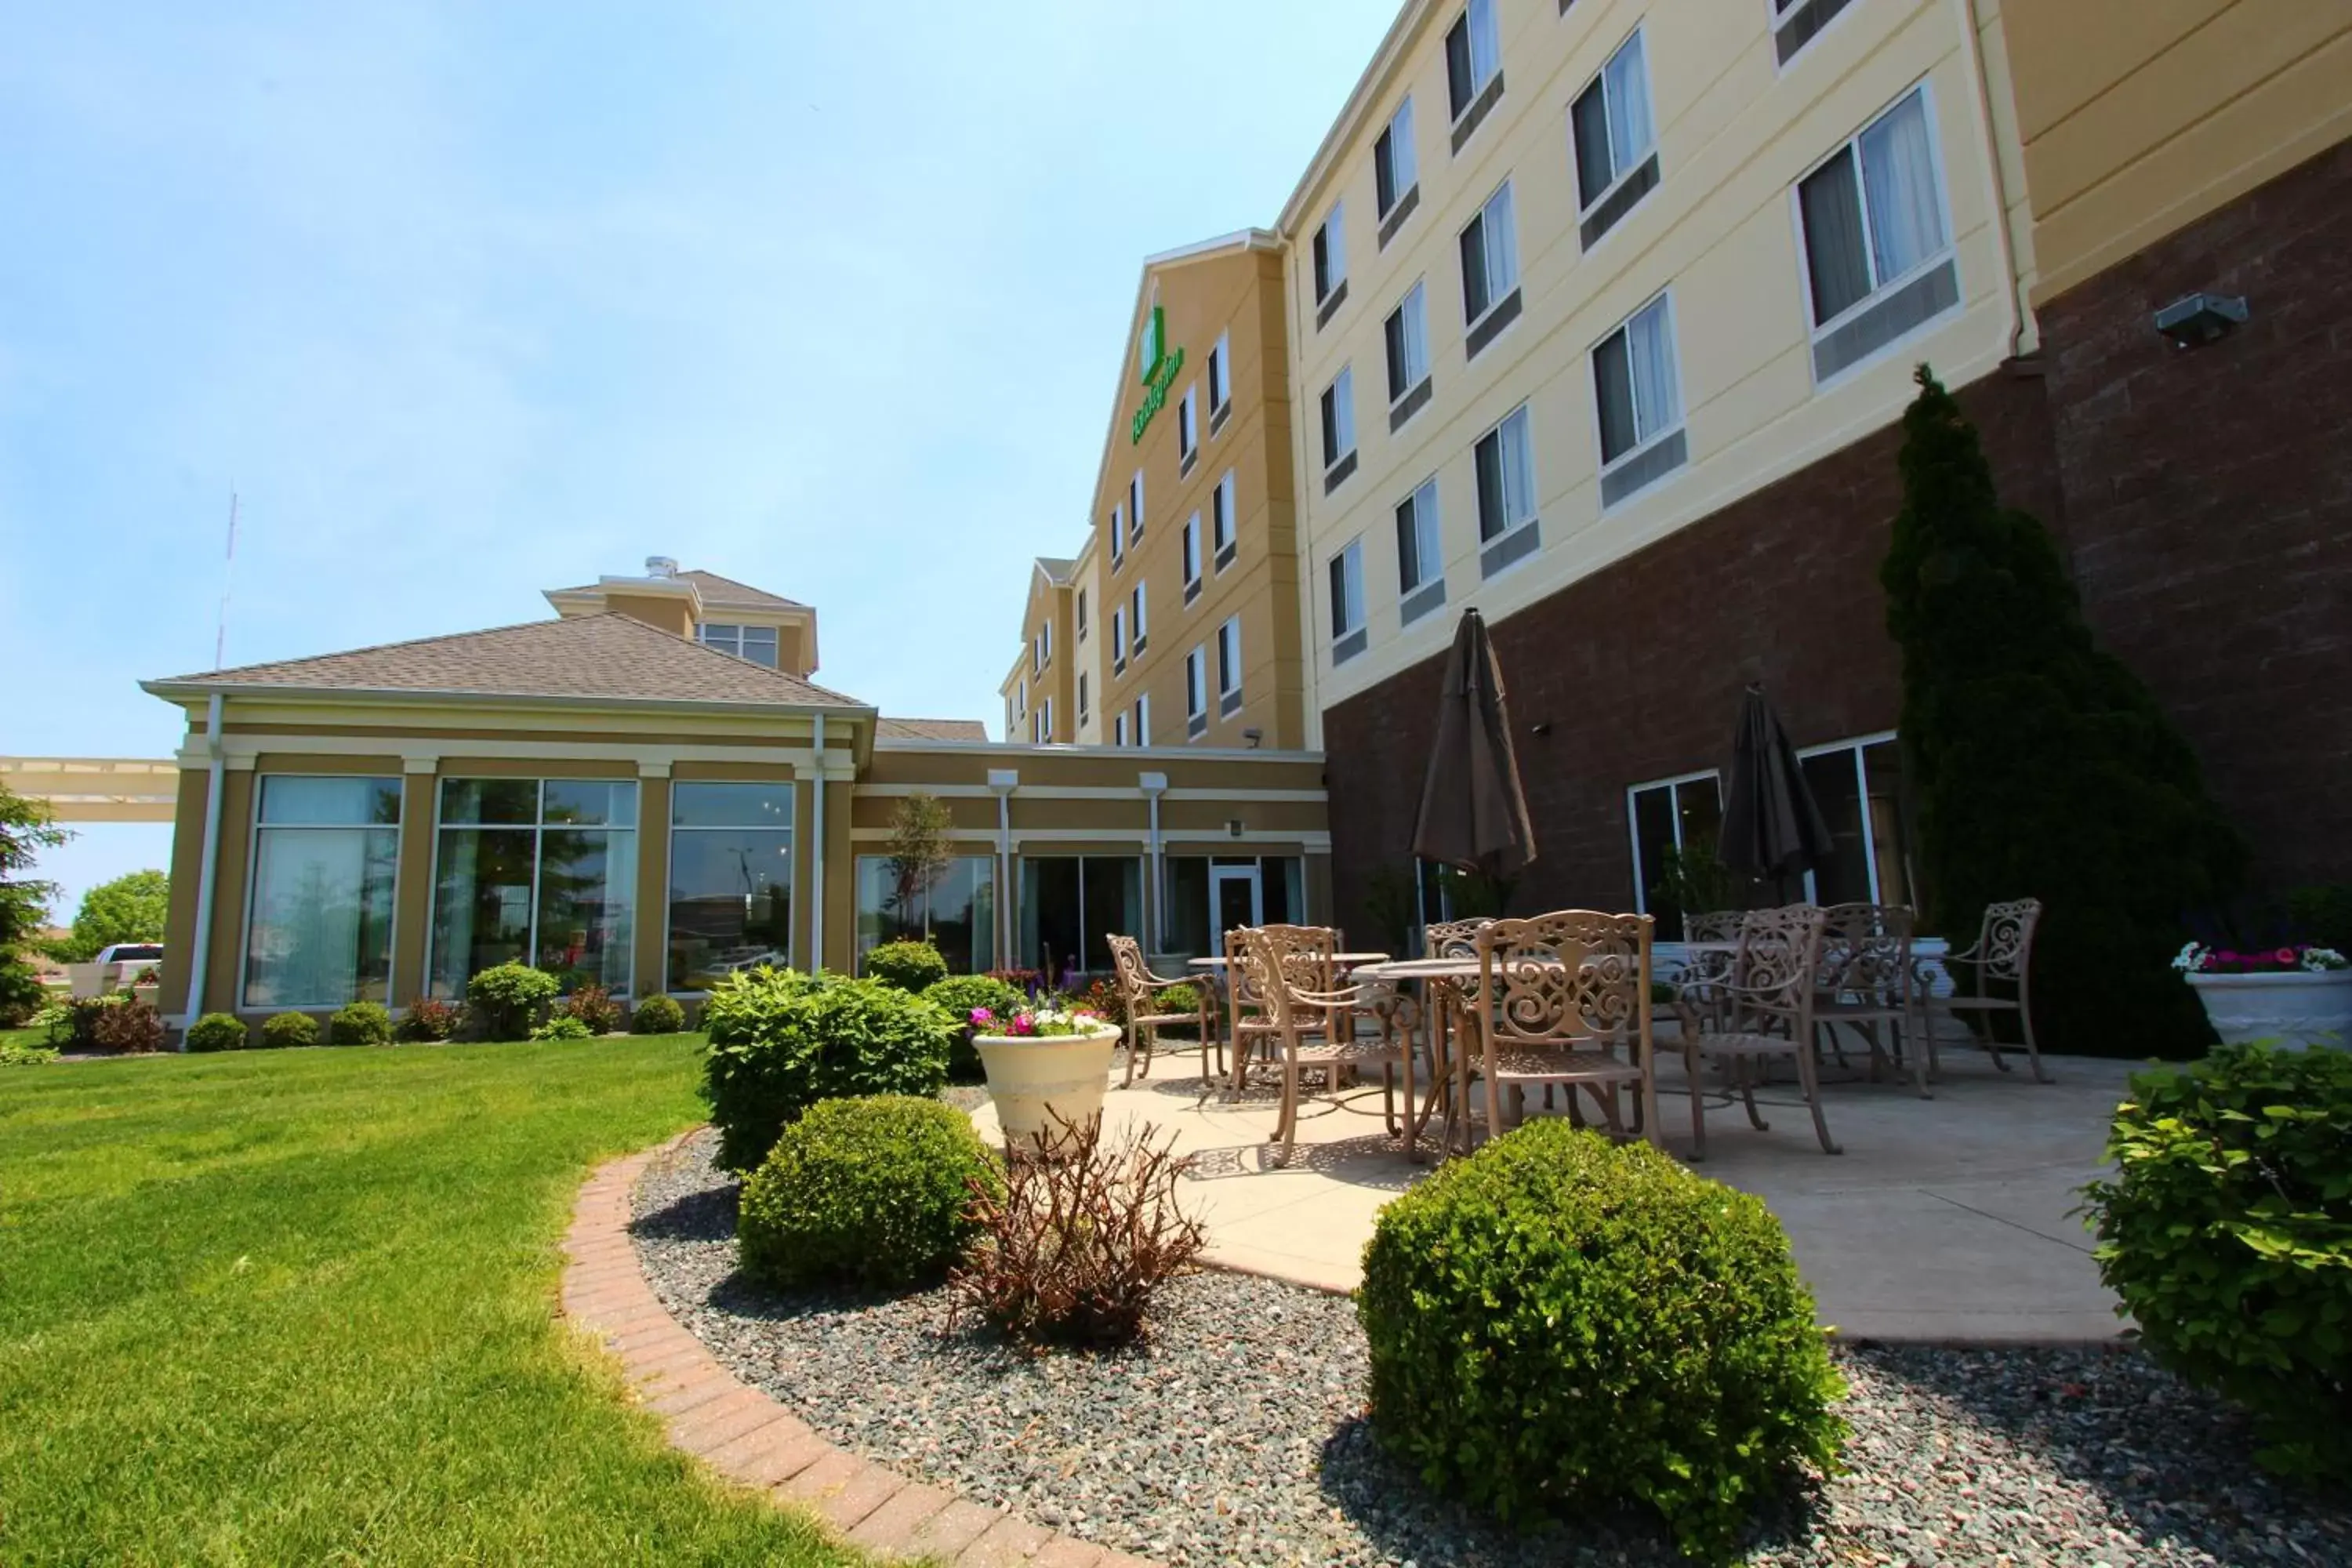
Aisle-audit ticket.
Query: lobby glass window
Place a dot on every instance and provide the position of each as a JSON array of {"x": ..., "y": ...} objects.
[
  {"x": 1490, "y": 258},
  {"x": 1474, "y": 53},
  {"x": 1636, "y": 387},
  {"x": 1669, "y": 819},
  {"x": 1229, "y": 666},
  {"x": 957, "y": 912},
  {"x": 1395, "y": 166},
  {"x": 1873, "y": 223},
  {"x": 757, "y": 644},
  {"x": 1135, "y": 615},
  {"x": 326, "y": 854},
  {"x": 1347, "y": 569},
  {"x": 1858, "y": 784},
  {"x": 1505, "y": 461},
  {"x": 537, "y": 872},
  {"x": 1614, "y": 137},
  {"x": 1221, "y": 390},
  {"x": 1330, "y": 247},
  {"x": 1192, "y": 552},
  {"x": 1408, "y": 344},
  {"x": 1340, "y": 418},
  {"x": 1418, "y": 561},
  {"x": 1196, "y": 693},
  {"x": 1221, "y": 520},
  {"x": 1188, "y": 425},
  {"x": 1071, "y": 905},
  {"x": 730, "y": 879}
]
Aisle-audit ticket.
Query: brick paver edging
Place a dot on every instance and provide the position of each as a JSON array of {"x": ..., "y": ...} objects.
[{"x": 751, "y": 1439}]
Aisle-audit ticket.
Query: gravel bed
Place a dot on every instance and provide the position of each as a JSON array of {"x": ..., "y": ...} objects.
[{"x": 1236, "y": 1436}]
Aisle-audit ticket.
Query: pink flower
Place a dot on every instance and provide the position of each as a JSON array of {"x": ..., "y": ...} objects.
[
  {"x": 2285, "y": 955},
  {"x": 1023, "y": 1023},
  {"x": 983, "y": 1015}
]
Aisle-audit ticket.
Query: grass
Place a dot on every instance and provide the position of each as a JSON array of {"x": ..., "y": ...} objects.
[{"x": 296, "y": 1307}]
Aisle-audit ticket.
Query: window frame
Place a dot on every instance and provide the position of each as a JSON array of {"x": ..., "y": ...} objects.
[
  {"x": 1223, "y": 509},
  {"x": 1190, "y": 556},
  {"x": 1427, "y": 539},
  {"x": 1390, "y": 192},
  {"x": 1495, "y": 294},
  {"x": 1337, "y": 410},
  {"x": 1229, "y": 664},
  {"x": 669, "y": 869},
  {"x": 1643, "y": 443},
  {"x": 1188, "y": 428},
  {"x": 1196, "y": 689},
  {"x": 1119, "y": 639},
  {"x": 1620, "y": 170},
  {"x": 1462, "y": 98},
  {"x": 1859, "y": 745},
  {"x": 1634, "y": 824},
  {"x": 1523, "y": 413},
  {"x": 255, "y": 827},
  {"x": 1882, "y": 287},
  {"x": 538, "y": 828},
  {"x": 1143, "y": 720},
  {"x": 1411, "y": 316},
  {"x": 1221, "y": 380},
  {"x": 1347, "y": 590},
  {"x": 1138, "y": 630},
  {"x": 1780, "y": 14},
  {"x": 1327, "y": 255},
  {"x": 1117, "y": 535},
  {"x": 1134, "y": 507}
]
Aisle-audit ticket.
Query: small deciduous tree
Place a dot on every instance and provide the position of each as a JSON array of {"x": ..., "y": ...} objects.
[
  {"x": 132, "y": 908},
  {"x": 2044, "y": 767},
  {"x": 25, "y": 829},
  {"x": 919, "y": 850}
]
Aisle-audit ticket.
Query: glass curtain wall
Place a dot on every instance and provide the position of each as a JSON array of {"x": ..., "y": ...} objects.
[
  {"x": 730, "y": 879},
  {"x": 326, "y": 854},
  {"x": 958, "y": 912},
  {"x": 1072, "y": 904},
  {"x": 538, "y": 871}
]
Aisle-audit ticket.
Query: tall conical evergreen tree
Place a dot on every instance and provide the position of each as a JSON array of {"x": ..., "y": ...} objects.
[{"x": 2041, "y": 765}]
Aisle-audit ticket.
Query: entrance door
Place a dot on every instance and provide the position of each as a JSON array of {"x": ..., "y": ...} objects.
[{"x": 1236, "y": 899}]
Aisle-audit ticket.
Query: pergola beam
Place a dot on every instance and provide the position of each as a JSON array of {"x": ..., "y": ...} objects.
[{"x": 98, "y": 789}]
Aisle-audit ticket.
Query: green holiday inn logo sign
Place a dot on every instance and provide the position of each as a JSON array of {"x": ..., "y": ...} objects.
[{"x": 1156, "y": 369}]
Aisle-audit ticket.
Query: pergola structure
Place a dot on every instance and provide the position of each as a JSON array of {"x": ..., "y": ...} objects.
[{"x": 96, "y": 789}]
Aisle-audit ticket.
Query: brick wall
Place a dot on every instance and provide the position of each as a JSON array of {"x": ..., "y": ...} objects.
[
  {"x": 2208, "y": 501},
  {"x": 1637, "y": 671}
]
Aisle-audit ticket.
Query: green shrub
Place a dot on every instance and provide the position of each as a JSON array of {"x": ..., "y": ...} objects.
[
  {"x": 2323, "y": 914},
  {"x": 1557, "y": 1325},
  {"x": 2227, "y": 1233},
  {"x": 593, "y": 1005},
  {"x": 958, "y": 995},
  {"x": 781, "y": 1041},
  {"x": 21, "y": 995},
  {"x": 360, "y": 1024},
  {"x": 869, "y": 1191},
  {"x": 564, "y": 1026},
  {"x": 14, "y": 1054},
  {"x": 913, "y": 967},
  {"x": 507, "y": 998},
  {"x": 285, "y": 1030},
  {"x": 658, "y": 1015},
  {"x": 218, "y": 1032},
  {"x": 430, "y": 1018}
]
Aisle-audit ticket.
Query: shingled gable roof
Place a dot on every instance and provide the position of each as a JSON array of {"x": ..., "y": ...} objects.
[
  {"x": 717, "y": 591},
  {"x": 888, "y": 729},
  {"x": 583, "y": 657}
]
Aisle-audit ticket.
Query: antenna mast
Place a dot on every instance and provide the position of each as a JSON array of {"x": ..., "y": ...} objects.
[{"x": 228, "y": 577}]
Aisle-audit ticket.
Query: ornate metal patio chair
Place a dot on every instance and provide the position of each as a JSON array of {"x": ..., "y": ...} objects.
[
  {"x": 1309, "y": 956},
  {"x": 1764, "y": 1010},
  {"x": 1563, "y": 1001},
  {"x": 1141, "y": 991},
  {"x": 1452, "y": 938},
  {"x": 2003, "y": 952},
  {"x": 1864, "y": 980},
  {"x": 1310, "y": 1028}
]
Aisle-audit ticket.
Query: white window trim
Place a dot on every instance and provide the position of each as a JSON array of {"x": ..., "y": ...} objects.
[
  {"x": 1363, "y": 611},
  {"x": 1634, "y": 825},
  {"x": 1494, "y": 66},
  {"x": 1413, "y": 383},
  {"x": 1487, "y": 542},
  {"x": 1221, "y": 356},
  {"x": 255, "y": 828},
  {"x": 1682, "y": 404},
  {"x": 1857, "y": 745},
  {"x": 1118, "y": 728},
  {"x": 1346, "y": 372},
  {"x": 1777, "y": 19},
  {"x": 1117, "y": 638},
  {"x": 1135, "y": 506},
  {"x": 1389, "y": 129},
  {"x": 1648, "y": 90},
  {"x": 1332, "y": 232},
  {"x": 792, "y": 920},
  {"x": 1118, "y": 534},
  {"x": 1143, "y": 718},
  {"x": 1851, "y": 146},
  {"x": 1187, "y": 424},
  {"x": 1196, "y": 682},
  {"x": 1189, "y": 558},
  {"x": 1140, "y": 630},
  {"x": 1495, "y": 297},
  {"x": 1235, "y": 690},
  {"x": 1230, "y": 490},
  {"x": 536, "y": 829},
  {"x": 1435, "y": 568}
]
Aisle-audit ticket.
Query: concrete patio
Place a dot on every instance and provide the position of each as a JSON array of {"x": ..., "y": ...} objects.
[{"x": 1944, "y": 1219}]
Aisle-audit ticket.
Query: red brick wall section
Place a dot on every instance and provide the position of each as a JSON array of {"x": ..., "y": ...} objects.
[
  {"x": 1638, "y": 669},
  {"x": 2208, "y": 501}
]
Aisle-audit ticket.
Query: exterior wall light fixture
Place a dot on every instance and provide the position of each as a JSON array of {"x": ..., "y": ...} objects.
[{"x": 2198, "y": 319}]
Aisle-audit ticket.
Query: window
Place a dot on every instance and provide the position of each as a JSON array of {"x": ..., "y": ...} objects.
[
  {"x": 1878, "y": 253},
  {"x": 1143, "y": 720},
  {"x": 1071, "y": 906},
  {"x": 1858, "y": 784},
  {"x": 956, "y": 910},
  {"x": 1338, "y": 428},
  {"x": 1330, "y": 249},
  {"x": 1505, "y": 466},
  {"x": 537, "y": 872},
  {"x": 1188, "y": 429},
  {"x": 1046, "y": 643},
  {"x": 1118, "y": 728},
  {"x": 1796, "y": 23},
  {"x": 1421, "y": 569},
  {"x": 1117, "y": 638},
  {"x": 1221, "y": 390},
  {"x": 757, "y": 644},
  {"x": 730, "y": 879},
  {"x": 1045, "y": 722},
  {"x": 1135, "y": 617},
  {"x": 1408, "y": 344},
  {"x": 1082, "y": 615},
  {"x": 1192, "y": 557},
  {"x": 1670, "y": 820},
  {"x": 1396, "y": 171},
  {"x": 1229, "y": 666},
  {"x": 1474, "y": 67},
  {"x": 1221, "y": 522},
  {"x": 1639, "y": 398},
  {"x": 1490, "y": 270},
  {"x": 1082, "y": 696},
  {"x": 1196, "y": 693},
  {"x": 1135, "y": 506},
  {"x": 1117, "y": 535},
  {"x": 1348, "y": 603},
  {"x": 326, "y": 854},
  {"x": 1021, "y": 699},
  {"x": 1616, "y": 162}
]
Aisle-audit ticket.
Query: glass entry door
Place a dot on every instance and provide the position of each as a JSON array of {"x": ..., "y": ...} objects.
[{"x": 1236, "y": 898}]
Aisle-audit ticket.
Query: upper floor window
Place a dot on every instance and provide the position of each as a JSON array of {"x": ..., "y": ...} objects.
[
  {"x": 1796, "y": 23},
  {"x": 1135, "y": 506},
  {"x": 1878, "y": 250},
  {"x": 1339, "y": 428},
  {"x": 1117, "y": 638},
  {"x": 1396, "y": 170},
  {"x": 1473, "y": 67},
  {"x": 1221, "y": 522},
  {"x": 1504, "y": 463},
  {"x": 1021, "y": 699},
  {"x": 1118, "y": 534},
  {"x": 1143, "y": 720},
  {"x": 1347, "y": 570},
  {"x": 1192, "y": 557},
  {"x": 757, "y": 644},
  {"x": 1229, "y": 666},
  {"x": 1135, "y": 616},
  {"x": 1421, "y": 568},
  {"x": 1638, "y": 394},
  {"x": 1221, "y": 387},
  {"x": 1188, "y": 429},
  {"x": 1408, "y": 344},
  {"x": 1118, "y": 728},
  {"x": 1082, "y": 696},
  {"x": 1490, "y": 270},
  {"x": 1082, "y": 615},
  {"x": 1330, "y": 249},
  {"x": 1196, "y": 693},
  {"x": 1616, "y": 157}
]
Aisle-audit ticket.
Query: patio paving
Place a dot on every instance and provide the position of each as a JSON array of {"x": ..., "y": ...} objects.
[{"x": 1944, "y": 1220}]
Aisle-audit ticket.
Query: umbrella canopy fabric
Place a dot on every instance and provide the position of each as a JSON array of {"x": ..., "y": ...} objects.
[
  {"x": 1474, "y": 813},
  {"x": 1772, "y": 827}
]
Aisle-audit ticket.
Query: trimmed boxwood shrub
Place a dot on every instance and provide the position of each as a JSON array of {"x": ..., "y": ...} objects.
[
  {"x": 564, "y": 1026},
  {"x": 658, "y": 1015},
  {"x": 2227, "y": 1233},
  {"x": 218, "y": 1032},
  {"x": 781, "y": 1041},
  {"x": 1558, "y": 1324},
  {"x": 285, "y": 1030},
  {"x": 912, "y": 966},
  {"x": 507, "y": 997},
  {"x": 360, "y": 1024},
  {"x": 959, "y": 994},
  {"x": 872, "y": 1193}
]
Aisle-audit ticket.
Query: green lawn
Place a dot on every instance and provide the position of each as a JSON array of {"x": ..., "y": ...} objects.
[{"x": 298, "y": 1307}]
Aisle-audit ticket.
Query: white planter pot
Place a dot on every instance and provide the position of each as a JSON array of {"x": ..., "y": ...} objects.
[
  {"x": 2297, "y": 1009},
  {"x": 1030, "y": 1075}
]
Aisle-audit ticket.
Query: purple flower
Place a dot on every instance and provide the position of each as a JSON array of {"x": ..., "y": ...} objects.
[{"x": 983, "y": 1015}]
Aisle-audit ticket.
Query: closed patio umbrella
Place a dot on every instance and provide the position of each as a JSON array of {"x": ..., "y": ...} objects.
[
  {"x": 1474, "y": 815},
  {"x": 1772, "y": 826}
]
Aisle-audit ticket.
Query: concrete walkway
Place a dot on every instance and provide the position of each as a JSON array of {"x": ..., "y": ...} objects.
[{"x": 1945, "y": 1219}]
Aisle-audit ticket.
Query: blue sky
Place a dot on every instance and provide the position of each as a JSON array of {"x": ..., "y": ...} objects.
[{"x": 466, "y": 300}]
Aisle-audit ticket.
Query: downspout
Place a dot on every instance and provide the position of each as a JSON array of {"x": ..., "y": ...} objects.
[
  {"x": 2012, "y": 286},
  {"x": 200, "y": 954},
  {"x": 1153, "y": 785},
  {"x": 1003, "y": 780},
  {"x": 816, "y": 915}
]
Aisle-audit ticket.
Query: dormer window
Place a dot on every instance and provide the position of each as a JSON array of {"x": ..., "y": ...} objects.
[{"x": 757, "y": 644}]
